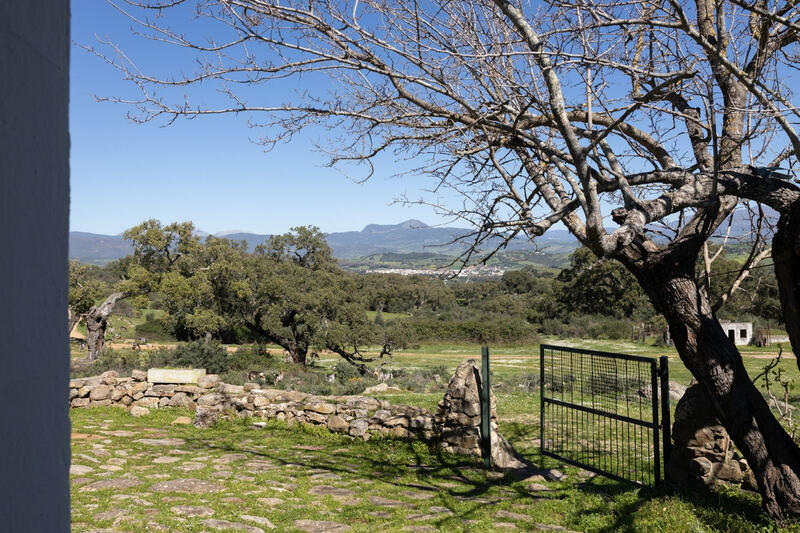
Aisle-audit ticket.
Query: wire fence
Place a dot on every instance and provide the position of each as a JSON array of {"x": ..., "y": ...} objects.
[{"x": 600, "y": 411}]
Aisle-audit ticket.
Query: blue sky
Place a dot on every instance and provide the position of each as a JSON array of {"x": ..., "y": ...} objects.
[{"x": 205, "y": 170}]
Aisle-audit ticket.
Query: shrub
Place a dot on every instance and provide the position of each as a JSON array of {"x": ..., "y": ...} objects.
[
  {"x": 198, "y": 354},
  {"x": 155, "y": 329}
]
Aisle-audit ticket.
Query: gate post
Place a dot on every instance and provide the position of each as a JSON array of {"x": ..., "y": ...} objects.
[
  {"x": 486, "y": 409},
  {"x": 663, "y": 370}
]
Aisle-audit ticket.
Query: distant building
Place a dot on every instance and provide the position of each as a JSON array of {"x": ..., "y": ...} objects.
[{"x": 739, "y": 332}]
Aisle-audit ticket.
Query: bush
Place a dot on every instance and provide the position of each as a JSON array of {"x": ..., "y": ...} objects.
[
  {"x": 198, "y": 354},
  {"x": 154, "y": 329}
]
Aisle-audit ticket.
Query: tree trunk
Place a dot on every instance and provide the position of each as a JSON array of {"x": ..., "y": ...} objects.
[
  {"x": 96, "y": 322},
  {"x": 298, "y": 352},
  {"x": 715, "y": 362},
  {"x": 786, "y": 256},
  {"x": 72, "y": 319}
]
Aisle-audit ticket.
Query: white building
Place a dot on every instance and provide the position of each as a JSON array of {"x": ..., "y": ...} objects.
[{"x": 739, "y": 332}]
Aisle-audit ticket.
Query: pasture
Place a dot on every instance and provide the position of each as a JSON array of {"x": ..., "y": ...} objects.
[{"x": 144, "y": 473}]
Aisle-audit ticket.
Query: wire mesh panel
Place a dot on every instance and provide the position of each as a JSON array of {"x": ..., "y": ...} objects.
[{"x": 599, "y": 411}]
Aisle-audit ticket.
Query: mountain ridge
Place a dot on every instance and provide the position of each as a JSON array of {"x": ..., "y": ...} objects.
[{"x": 406, "y": 237}]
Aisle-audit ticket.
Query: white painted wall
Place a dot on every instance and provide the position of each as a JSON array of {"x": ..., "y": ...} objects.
[{"x": 34, "y": 221}]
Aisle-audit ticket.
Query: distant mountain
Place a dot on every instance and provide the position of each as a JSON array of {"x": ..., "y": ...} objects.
[
  {"x": 411, "y": 236},
  {"x": 97, "y": 249}
]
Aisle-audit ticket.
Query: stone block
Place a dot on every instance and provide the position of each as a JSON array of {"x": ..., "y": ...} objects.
[
  {"x": 224, "y": 388},
  {"x": 80, "y": 402},
  {"x": 320, "y": 407},
  {"x": 338, "y": 424},
  {"x": 207, "y": 381},
  {"x": 175, "y": 375},
  {"x": 101, "y": 392},
  {"x": 147, "y": 401}
]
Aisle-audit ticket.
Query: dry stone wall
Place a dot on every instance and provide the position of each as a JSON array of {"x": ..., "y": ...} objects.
[{"x": 456, "y": 424}]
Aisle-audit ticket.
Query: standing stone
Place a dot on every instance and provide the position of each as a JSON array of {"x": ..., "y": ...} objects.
[
  {"x": 703, "y": 454},
  {"x": 459, "y": 418}
]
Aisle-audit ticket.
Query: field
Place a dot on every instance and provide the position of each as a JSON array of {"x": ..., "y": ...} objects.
[{"x": 143, "y": 473}]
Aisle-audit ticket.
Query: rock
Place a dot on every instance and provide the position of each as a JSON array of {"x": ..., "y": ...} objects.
[
  {"x": 336, "y": 493},
  {"x": 208, "y": 381},
  {"x": 118, "y": 393},
  {"x": 225, "y": 525},
  {"x": 384, "y": 502},
  {"x": 80, "y": 470},
  {"x": 396, "y": 421},
  {"x": 703, "y": 454},
  {"x": 224, "y": 388},
  {"x": 138, "y": 411},
  {"x": 192, "y": 510},
  {"x": 181, "y": 421},
  {"x": 80, "y": 402},
  {"x": 358, "y": 427},
  {"x": 320, "y": 407},
  {"x": 109, "y": 377},
  {"x": 166, "y": 442},
  {"x": 459, "y": 417},
  {"x": 210, "y": 399},
  {"x": 180, "y": 399},
  {"x": 100, "y": 403},
  {"x": 338, "y": 424},
  {"x": 320, "y": 526},
  {"x": 139, "y": 375},
  {"x": 260, "y": 520},
  {"x": 101, "y": 392},
  {"x": 513, "y": 516},
  {"x": 150, "y": 402},
  {"x": 380, "y": 387},
  {"x": 205, "y": 417},
  {"x": 113, "y": 483},
  {"x": 175, "y": 375},
  {"x": 188, "y": 485}
]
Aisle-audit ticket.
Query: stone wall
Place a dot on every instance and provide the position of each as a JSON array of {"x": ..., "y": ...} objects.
[
  {"x": 703, "y": 454},
  {"x": 456, "y": 424}
]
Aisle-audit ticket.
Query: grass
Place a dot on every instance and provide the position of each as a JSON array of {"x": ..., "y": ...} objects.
[
  {"x": 383, "y": 485},
  {"x": 444, "y": 492}
]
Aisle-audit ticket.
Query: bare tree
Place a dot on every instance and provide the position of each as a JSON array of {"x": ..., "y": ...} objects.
[
  {"x": 96, "y": 323},
  {"x": 658, "y": 116}
]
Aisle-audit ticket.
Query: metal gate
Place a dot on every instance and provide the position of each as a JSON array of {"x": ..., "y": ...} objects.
[{"x": 600, "y": 411}]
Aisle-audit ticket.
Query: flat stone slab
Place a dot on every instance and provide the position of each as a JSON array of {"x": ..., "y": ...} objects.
[
  {"x": 192, "y": 510},
  {"x": 114, "y": 483},
  {"x": 225, "y": 525},
  {"x": 320, "y": 526},
  {"x": 181, "y": 376},
  {"x": 80, "y": 470},
  {"x": 511, "y": 515},
  {"x": 162, "y": 442},
  {"x": 337, "y": 493},
  {"x": 260, "y": 520},
  {"x": 193, "y": 486}
]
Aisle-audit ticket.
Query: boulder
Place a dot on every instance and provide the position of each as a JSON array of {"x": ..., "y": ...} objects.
[
  {"x": 358, "y": 427},
  {"x": 139, "y": 375}
]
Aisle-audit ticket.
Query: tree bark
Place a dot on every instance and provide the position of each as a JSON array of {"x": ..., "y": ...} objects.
[
  {"x": 72, "y": 319},
  {"x": 96, "y": 323},
  {"x": 670, "y": 282},
  {"x": 786, "y": 257}
]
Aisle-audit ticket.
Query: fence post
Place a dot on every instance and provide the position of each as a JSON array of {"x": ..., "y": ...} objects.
[
  {"x": 654, "y": 394},
  {"x": 486, "y": 409},
  {"x": 663, "y": 364}
]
